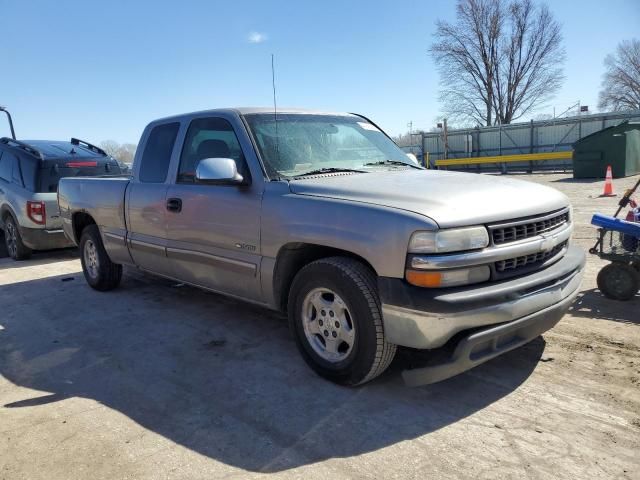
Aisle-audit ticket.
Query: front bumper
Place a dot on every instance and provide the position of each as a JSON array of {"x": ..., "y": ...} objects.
[
  {"x": 509, "y": 314},
  {"x": 41, "y": 239}
]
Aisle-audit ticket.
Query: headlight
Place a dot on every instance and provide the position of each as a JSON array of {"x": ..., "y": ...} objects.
[
  {"x": 448, "y": 278},
  {"x": 449, "y": 240}
]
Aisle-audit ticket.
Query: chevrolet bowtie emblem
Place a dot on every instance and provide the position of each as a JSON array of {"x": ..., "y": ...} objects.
[{"x": 548, "y": 243}]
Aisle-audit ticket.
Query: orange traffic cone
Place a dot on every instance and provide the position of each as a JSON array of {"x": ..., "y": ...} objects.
[{"x": 608, "y": 184}]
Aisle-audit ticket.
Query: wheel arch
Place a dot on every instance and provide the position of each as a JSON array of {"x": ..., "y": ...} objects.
[
  {"x": 80, "y": 221},
  {"x": 6, "y": 211},
  {"x": 294, "y": 256}
]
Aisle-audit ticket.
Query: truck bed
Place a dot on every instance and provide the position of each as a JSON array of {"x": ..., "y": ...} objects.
[{"x": 101, "y": 197}]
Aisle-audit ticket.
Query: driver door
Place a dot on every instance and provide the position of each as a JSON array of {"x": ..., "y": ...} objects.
[{"x": 214, "y": 239}]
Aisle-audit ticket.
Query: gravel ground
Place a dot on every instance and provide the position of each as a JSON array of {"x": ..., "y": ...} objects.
[{"x": 157, "y": 380}]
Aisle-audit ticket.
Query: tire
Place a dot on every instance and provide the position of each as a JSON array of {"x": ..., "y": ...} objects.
[
  {"x": 99, "y": 271},
  {"x": 619, "y": 281},
  {"x": 335, "y": 317},
  {"x": 13, "y": 241}
]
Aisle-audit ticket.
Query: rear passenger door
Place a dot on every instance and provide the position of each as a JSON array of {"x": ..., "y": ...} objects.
[
  {"x": 146, "y": 200},
  {"x": 214, "y": 240}
]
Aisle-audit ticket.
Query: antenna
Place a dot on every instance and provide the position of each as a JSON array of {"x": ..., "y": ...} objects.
[{"x": 275, "y": 105}]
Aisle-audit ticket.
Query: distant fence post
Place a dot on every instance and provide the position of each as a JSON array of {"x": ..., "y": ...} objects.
[
  {"x": 425, "y": 154},
  {"x": 530, "y": 145},
  {"x": 504, "y": 165},
  {"x": 579, "y": 129}
]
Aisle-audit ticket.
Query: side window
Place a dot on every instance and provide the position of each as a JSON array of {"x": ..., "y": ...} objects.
[
  {"x": 29, "y": 170},
  {"x": 16, "y": 176},
  {"x": 6, "y": 167},
  {"x": 209, "y": 138},
  {"x": 157, "y": 153}
]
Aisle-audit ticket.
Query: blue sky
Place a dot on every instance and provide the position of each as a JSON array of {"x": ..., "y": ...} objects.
[{"x": 103, "y": 70}]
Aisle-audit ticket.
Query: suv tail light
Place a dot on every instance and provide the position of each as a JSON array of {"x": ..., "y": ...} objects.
[
  {"x": 37, "y": 212},
  {"x": 81, "y": 164}
]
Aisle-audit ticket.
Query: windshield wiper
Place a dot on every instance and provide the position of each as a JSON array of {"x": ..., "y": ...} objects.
[
  {"x": 329, "y": 170},
  {"x": 393, "y": 162}
]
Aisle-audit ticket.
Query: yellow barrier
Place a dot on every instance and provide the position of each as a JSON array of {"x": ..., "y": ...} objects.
[{"x": 525, "y": 157}]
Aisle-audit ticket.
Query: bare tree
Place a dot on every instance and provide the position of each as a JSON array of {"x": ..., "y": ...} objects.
[
  {"x": 126, "y": 152},
  {"x": 110, "y": 146},
  {"x": 621, "y": 82},
  {"x": 498, "y": 61},
  {"x": 123, "y": 152}
]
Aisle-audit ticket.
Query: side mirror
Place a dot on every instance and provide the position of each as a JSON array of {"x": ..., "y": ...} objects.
[{"x": 218, "y": 171}]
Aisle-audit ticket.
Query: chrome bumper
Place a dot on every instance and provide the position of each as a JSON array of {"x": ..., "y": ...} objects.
[{"x": 426, "y": 319}]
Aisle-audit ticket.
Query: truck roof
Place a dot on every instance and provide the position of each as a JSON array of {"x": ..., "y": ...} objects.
[{"x": 250, "y": 110}]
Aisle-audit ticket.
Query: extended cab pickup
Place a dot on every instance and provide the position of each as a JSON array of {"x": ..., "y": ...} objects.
[{"x": 321, "y": 215}]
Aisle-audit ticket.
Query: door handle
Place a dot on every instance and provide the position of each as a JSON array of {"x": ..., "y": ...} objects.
[{"x": 174, "y": 204}]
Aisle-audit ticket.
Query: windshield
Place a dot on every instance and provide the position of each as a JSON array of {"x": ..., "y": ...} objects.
[{"x": 304, "y": 143}]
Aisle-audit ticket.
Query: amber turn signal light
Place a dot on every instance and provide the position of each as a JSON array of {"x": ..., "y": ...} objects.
[{"x": 424, "y": 279}]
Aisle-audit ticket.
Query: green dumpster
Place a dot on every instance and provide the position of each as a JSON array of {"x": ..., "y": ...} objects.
[{"x": 618, "y": 146}]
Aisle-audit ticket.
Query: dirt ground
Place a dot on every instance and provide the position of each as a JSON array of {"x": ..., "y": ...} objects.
[{"x": 157, "y": 380}]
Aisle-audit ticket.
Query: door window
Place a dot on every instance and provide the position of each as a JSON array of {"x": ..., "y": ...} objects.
[
  {"x": 16, "y": 176},
  {"x": 10, "y": 169},
  {"x": 6, "y": 166},
  {"x": 209, "y": 138},
  {"x": 29, "y": 170},
  {"x": 157, "y": 153}
]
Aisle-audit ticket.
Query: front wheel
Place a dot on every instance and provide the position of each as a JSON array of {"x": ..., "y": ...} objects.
[
  {"x": 99, "y": 271},
  {"x": 334, "y": 314},
  {"x": 619, "y": 281}
]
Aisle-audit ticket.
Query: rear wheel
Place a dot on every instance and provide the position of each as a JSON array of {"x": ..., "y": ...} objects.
[
  {"x": 619, "y": 281},
  {"x": 99, "y": 271},
  {"x": 334, "y": 314},
  {"x": 13, "y": 241}
]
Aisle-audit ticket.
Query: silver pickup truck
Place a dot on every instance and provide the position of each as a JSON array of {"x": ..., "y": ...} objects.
[{"x": 322, "y": 216}]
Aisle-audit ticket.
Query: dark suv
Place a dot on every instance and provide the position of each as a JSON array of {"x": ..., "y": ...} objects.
[{"x": 29, "y": 175}]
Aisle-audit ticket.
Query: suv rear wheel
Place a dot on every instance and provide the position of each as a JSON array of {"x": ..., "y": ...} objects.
[
  {"x": 99, "y": 271},
  {"x": 13, "y": 241},
  {"x": 334, "y": 314}
]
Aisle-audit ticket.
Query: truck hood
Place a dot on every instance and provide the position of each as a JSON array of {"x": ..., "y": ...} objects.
[{"x": 449, "y": 198}]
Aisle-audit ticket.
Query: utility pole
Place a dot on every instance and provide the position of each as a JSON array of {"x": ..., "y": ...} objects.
[{"x": 446, "y": 141}]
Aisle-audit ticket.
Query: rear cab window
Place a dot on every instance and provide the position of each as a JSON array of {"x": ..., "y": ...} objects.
[{"x": 156, "y": 157}]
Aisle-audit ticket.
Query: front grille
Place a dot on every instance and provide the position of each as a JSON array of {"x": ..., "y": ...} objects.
[
  {"x": 527, "y": 228},
  {"x": 527, "y": 261}
]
